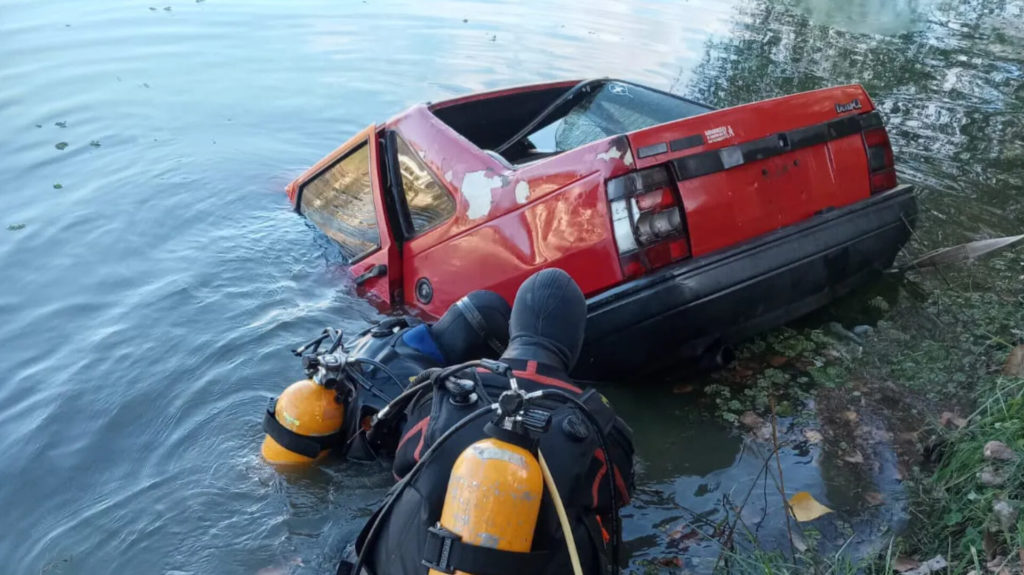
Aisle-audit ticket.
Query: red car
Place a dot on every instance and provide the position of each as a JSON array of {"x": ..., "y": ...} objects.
[{"x": 686, "y": 227}]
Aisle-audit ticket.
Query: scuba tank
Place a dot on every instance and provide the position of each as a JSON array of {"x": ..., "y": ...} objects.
[
  {"x": 496, "y": 484},
  {"x": 315, "y": 415}
]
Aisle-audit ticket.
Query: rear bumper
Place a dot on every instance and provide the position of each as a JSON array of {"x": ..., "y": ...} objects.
[{"x": 725, "y": 297}]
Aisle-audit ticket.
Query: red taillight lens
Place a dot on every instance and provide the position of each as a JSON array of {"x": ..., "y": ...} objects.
[
  {"x": 881, "y": 167},
  {"x": 648, "y": 221}
]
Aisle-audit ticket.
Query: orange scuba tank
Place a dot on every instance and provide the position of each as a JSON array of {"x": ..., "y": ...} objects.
[
  {"x": 308, "y": 419},
  {"x": 495, "y": 488},
  {"x": 308, "y": 410}
]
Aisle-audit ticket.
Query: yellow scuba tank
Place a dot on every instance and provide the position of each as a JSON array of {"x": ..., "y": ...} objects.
[
  {"x": 308, "y": 419},
  {"x": 495, "y": 489},
  {"x": 309, "y": 410}
]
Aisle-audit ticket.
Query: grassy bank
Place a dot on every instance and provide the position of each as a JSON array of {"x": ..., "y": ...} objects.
[{"x": 932, "y": 365}]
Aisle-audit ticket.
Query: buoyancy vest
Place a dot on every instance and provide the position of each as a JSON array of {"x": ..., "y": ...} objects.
[
  {"x": 405, "y": 347},
  {"x": 573, "y": 452}
]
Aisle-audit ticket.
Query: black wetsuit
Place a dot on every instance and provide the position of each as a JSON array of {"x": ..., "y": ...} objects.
[{"x": 546, "y": 333}]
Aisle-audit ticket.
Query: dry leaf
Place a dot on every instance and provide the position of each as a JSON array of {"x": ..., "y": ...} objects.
[
  {"x": 904, "y": 564},
  {"x": 949, "y": 417},
  {"x": 991, "y": 477},
  {"x": 683, "y": 388},
  {"x": 751, "y": 420},
  {"x": 874, "y": 498},
  {"x": 777, "y": 361},
  {"x": 805, "y": 508},
  {"x": 851, "y": 416},
  {"x": 813, "y": 436},
  {"x": 853, "y": 456},
  {"x": 933, "y": 565},
  {"x": 999, "y": 450},
  {"x": 1015, "y": 363}
]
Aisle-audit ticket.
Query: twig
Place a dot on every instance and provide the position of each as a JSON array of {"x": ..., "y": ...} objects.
[{"x": 782, "y": 482}]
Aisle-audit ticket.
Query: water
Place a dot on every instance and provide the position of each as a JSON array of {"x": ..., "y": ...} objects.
[{"x": 148, "y": 302}]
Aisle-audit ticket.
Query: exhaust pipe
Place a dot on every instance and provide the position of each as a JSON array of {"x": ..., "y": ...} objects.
[{"x": 716, "y": 357}]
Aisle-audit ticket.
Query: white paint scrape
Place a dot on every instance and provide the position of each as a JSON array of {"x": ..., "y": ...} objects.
[
  {"x": 477, "y": 188},
  {"x": 627, "y": 158},
  {"x": 609, "y": 154},
  {"x": 522, "y": 192},
  {"x": 612, "y": 153}
]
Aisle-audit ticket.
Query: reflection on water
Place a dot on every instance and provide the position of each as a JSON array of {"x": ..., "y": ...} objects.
[{"x": 154, "y": 277}]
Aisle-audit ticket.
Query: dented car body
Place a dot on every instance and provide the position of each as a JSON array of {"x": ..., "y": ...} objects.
[{"x": 686, "y": 227}]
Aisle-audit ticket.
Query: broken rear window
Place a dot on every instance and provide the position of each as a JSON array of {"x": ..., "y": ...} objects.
[{"x": 609, "y": 109}]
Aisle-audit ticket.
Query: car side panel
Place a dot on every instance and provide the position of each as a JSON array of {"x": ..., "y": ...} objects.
[
  {"x": 510, "y": 221},
  {"x": 569, "y": 229}
]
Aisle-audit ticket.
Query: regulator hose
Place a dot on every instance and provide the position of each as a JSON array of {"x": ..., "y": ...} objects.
[{"x": 563, "y": 519}]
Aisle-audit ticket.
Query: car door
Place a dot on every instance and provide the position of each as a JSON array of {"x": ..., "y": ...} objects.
[{"x": 343, "y": 196}]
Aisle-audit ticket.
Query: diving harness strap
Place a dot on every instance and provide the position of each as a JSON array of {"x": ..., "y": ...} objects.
[
  {"x": 307, "y": 445},
  {"x": 446, "y": 552}
]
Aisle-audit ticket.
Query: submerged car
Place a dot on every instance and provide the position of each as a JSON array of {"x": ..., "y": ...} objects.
[{"x": 687, "y": 227}]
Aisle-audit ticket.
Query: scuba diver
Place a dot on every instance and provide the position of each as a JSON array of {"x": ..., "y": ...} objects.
[
  {"x": 507, "y": 468},
  {"x": 347, "y": 385}
]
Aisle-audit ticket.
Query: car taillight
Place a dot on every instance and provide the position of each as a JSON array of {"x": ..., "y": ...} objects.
[
  {"x": 648, "y": 221},
  {"x": 881, "y": 168}
]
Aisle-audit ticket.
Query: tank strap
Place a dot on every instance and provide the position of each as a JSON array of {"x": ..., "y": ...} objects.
[
  {"x": 446, "y": 552},
  {"x": 309, "y": 446}
]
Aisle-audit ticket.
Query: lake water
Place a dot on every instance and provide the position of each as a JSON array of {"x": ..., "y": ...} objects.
[{"x": 153, "y": 277}]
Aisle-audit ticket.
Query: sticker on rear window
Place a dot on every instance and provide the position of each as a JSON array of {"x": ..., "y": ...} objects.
[{"x": 719, "y": 134}]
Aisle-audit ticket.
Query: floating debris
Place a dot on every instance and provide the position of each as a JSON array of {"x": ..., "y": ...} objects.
[
  {"x": 15, "y": 227},
  {"x": 60, "y": 145},
  {"x": 94, "y": 143},
  {"x": 62, "y": 124},
  {"x": 57, "y": 186},
  {"x": 806, "y": 508}
]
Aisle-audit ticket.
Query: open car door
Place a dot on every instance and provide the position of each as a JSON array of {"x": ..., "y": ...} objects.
[{"x": 343, "y": 196}]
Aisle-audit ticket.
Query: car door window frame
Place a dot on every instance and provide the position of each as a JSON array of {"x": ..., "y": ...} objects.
[
  {"x": 354, "y": 148},
  {"x": 395, "y": 174}
]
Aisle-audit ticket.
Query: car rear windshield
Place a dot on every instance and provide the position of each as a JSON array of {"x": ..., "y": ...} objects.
[
  {"x": 610, "y": 109},
  {"x": 530, "y": 125}
]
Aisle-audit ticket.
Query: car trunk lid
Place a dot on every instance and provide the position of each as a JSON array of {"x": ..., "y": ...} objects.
[{"x": 740, "y": 172}]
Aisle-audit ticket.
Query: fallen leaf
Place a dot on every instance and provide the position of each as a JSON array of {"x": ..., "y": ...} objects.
[
  {"x": 751, "y": 420},
  {"x": 777, "y": 360},
  {"x": 989, "y": 544},
  {"x": 670, "y": 561},
  {"x": 991, "y": 477},
  {"x": 1015, "y": 362},
  {"x": 853, "y": 456},
  {"x": 813, "y": 436},
  {"x": 997, "y": 565},
  {"x": 60, "y": 145},
  {"x": 948, "y": 417},
  {"x": 874, "y": 498},
  {"x": 851, "y": 416},
  {"x": 1006, "y": 513},
  {"x": 683, "y": 388},
  {"x": 999, "y": 451},
  {"x": 798, "y": 542},
  {"x": 933, "y": 565},
  {"x": 904, "y": 564},
  {"x": 805, "y": 508}
]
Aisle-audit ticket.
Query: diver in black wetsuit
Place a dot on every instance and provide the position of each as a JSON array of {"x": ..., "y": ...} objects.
[
  {"x": 546, "y": 329},
  {"x": 476, "y": 326},
  {"x": 473, "y": 327}
]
